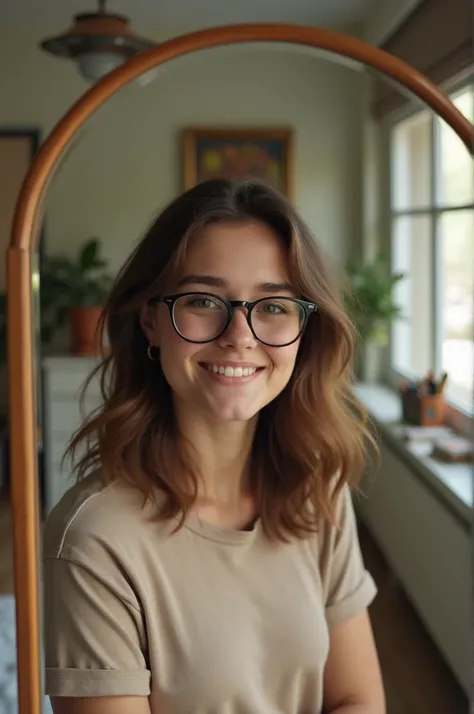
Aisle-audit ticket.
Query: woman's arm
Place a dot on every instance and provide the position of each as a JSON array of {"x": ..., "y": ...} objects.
[
  {"x": 100, "y": 705},
  {"x": 352, "y": 678}
]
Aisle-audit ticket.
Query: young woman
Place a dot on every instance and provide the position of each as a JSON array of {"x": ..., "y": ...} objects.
[{"x": 207, "y": 561}]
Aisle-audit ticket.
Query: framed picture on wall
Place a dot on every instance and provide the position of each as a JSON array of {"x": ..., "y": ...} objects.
[{"x": 260, "y": 153}]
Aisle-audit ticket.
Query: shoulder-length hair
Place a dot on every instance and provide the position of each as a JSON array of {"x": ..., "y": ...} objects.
[{"x": 309, "y": 441}]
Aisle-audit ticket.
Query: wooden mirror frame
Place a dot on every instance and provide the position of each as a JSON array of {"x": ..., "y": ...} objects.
[{"x": 22, "y": 249}]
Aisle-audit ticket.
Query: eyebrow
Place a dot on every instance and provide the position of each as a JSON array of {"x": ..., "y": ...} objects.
[{"x": 216, "y": 282}]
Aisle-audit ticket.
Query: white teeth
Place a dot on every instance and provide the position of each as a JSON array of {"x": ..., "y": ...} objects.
[{"x": 231, "y": 371}]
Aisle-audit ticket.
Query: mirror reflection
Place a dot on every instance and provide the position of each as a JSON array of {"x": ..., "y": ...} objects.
[{"x": 390, "y": 200}]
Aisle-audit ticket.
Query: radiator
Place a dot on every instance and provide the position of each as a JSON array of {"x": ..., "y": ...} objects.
[{"x": 429, "y": 550}]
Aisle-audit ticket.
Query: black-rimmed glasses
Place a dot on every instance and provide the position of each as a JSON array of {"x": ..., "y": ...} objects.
[{"x": 204, "y": 317}]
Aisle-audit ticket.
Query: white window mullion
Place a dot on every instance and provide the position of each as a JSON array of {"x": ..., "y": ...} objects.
[
  {"x": 437, "y": 249},
  {"x": 438, "y": 292}
]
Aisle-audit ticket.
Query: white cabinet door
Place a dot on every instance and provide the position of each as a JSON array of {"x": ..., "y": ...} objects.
[{"x": 64, "y": 414}]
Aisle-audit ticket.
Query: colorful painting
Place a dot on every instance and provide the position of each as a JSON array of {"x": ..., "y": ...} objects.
[{"x": 239, "y": 154}]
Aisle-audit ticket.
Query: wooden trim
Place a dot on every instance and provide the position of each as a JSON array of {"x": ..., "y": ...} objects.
[
  {"x": 24, "y": 477},
  {"x": 24, "y": 241},
  {"x": 24, "y": 411},
  {"x": 191, "y": 135}
]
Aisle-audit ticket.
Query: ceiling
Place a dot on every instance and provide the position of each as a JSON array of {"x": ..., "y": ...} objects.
[{"x": 190, "y": 14}]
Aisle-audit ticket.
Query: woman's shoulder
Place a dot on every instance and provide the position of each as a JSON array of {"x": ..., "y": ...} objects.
[{"x": 97, "y": 513}]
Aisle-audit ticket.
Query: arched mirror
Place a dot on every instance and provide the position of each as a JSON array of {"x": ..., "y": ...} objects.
[{"x": 301, "y": 99}]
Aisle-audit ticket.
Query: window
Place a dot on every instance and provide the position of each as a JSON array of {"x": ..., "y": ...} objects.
[{"x": 432, "y": 242}]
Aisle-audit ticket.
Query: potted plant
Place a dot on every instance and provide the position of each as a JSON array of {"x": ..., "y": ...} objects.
[
  {"x": 73, "y": 290},
  {"x": 371, "y": 304}
]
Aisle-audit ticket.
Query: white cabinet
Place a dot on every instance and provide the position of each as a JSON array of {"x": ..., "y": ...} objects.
[{"x": 63, "y": 378}]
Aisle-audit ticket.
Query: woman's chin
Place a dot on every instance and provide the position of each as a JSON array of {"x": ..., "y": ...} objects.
[{"x": 231, "y": 412}]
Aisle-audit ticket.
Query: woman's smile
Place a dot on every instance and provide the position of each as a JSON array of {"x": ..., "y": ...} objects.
[{"x": 233, "y": 374}]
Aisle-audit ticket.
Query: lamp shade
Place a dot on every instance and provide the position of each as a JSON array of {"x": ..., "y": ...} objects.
[{"x": 99, "y": 42}]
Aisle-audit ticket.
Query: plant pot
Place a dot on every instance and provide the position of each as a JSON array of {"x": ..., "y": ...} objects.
[
  {"x": 370, "y": 362},
  {"x": 84, "y": 322}
]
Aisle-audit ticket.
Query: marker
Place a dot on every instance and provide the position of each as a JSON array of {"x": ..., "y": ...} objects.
[
  {"x": 442, "y": 383},
  {"x": 431, "y": 383}
]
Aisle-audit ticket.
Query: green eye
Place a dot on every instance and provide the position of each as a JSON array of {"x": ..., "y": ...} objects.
[
  {"x": 199, "y": 302},
  {"x": 204, "y": 302},
  {"x": 272, "y": 308}
]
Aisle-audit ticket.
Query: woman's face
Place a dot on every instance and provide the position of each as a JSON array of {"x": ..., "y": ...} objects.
[{"x": 236, "y": 262}]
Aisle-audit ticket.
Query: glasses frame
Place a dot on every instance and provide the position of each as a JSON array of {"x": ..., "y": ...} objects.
[{"x": 170, "y": 301}]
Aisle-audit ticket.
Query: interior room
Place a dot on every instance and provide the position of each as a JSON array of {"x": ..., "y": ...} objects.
[{"x": 388, "y": 189}]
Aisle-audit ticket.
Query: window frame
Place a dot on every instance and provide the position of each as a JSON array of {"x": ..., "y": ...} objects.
[{"x": 460, "y": 416}]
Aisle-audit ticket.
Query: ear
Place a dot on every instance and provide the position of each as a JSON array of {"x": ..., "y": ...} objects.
[{"x": 148, "y": 318}]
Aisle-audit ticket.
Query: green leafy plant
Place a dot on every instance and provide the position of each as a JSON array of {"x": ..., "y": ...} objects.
[
  {"x": 66, "y": 282},
  {"x": 370, "y": 298}
]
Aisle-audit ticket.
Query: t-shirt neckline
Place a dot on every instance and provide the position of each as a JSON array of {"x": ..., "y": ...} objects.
[{"x": 221, "y": 534}]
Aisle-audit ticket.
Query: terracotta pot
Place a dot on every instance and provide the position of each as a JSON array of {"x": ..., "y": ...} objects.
[{"x": 84, "y": 322}]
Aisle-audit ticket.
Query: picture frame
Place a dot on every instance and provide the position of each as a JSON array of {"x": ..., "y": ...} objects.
[{"x": 262, "y": 153}]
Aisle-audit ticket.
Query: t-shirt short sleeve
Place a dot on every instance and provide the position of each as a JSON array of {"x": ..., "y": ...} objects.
[
  {"x": 348, "y": 587},
  {"x": 93, "y": 631}
]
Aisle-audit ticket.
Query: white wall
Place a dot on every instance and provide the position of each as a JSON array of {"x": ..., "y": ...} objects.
[{"x": 128, "y": 163}]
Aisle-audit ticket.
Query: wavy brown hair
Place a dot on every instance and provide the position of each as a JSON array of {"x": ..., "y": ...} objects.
[{"x": 309, "y": 441}]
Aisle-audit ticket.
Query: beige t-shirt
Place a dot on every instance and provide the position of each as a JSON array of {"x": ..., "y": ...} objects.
[{"x": 204, "y": 621}]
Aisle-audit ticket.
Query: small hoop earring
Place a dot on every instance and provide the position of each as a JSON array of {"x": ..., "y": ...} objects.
[{"x": 153, "y": 357}]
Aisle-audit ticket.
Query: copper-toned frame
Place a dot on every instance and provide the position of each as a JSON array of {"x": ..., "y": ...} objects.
[
  {"x": 23, "y": 245},
  {"x": 191, "y": 137}
]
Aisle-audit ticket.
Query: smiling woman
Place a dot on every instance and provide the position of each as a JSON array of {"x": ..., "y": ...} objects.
[{"x": 208, "y": 555}]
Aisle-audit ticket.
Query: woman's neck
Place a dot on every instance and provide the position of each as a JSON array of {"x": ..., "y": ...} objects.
[{"x": 223, "y": 454}]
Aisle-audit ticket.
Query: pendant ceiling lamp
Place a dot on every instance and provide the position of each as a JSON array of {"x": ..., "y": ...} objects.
[{"x": 98, "y": 41}]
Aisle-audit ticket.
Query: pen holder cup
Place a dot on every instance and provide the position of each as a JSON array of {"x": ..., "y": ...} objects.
[{"x": 423, "y": 410}]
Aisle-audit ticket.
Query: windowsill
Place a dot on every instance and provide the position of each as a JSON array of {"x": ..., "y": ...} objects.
[
  {"x": 455, "y": 397},
  {"x": 451, "y": 482}
]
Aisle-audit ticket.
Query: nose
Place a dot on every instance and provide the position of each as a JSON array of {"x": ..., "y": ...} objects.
[{"x": 238, "y": 334}]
